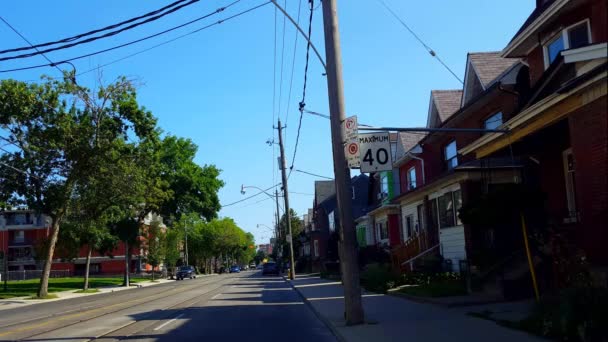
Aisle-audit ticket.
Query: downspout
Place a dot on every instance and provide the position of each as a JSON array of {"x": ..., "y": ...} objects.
[{"x": 422, "y": 162}]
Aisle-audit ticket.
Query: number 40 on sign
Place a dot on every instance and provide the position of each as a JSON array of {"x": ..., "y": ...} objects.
[{"x": 375, "y": 152}]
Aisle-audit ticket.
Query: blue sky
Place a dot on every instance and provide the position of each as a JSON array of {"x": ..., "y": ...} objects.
[{"x": 216, "y": 86}]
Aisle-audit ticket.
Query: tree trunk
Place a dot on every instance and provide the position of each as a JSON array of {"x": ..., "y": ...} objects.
[
  {"x": 127, "y": 260},
  {"x": 43, "y": 289},
  {"x": 87, "y": 269},
  {"x": 152, "y": 273}
]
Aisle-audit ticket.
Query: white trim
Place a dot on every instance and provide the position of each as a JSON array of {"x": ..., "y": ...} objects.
[
  {"x": 585, "y": 53},
  {"x": 535, "y": 25},
  {"x": 527, "y": 115},
  {"x": 466, "y": 81},
  {"x": 564, "y": 34}
]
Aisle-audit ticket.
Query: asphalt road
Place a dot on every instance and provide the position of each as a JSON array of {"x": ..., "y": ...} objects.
[{"x": 236, "y": 307}]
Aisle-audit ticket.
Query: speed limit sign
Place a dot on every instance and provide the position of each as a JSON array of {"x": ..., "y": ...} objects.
[{"x": 375, "y": 152}]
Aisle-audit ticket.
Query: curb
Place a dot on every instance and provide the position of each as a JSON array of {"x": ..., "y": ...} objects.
[{"x": 325, "y": 321}]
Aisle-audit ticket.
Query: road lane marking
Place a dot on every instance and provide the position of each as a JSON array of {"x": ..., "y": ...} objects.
[
  {"x": 168, "y": 322},
  {"x": 217, "y": 295},
  {"x": 56, "y": 319}
]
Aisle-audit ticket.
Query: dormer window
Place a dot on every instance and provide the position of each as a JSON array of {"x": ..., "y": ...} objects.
[
  {"x": 451, "y": 156},
  {"x": 571, "y": 37},
  {"x": 493, "y": 122}
]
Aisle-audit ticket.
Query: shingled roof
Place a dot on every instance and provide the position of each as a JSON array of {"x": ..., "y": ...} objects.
[
  {"x": 447, "y": 102},
  {"x": 489, "y": 65}
]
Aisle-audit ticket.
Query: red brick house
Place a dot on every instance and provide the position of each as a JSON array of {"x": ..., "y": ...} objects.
[{"x": 560, "y": 127}]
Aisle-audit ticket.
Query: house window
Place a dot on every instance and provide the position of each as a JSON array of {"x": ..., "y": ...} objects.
[
  {"x": 572, "y": 37},
  {"x": 447, "y": 209},
  {"x": 493, "y": 122},
  {"x": 332, "y": 222},
  {"x": 19, "y": 236},
  {"x": 384, "y": 184},
  {"x": 382, "y": 230},
  {"x": 450, "y": 153},
  {"x": 409, "y": 226},
  {"x": 570, "y": 173},
  {"x": 420, "y": 223},
  {"x": 316, "y": 248},
  {"x": 411, "y": 178}
]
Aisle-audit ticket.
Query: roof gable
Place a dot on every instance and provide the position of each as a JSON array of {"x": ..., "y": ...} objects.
[
  {"x": 443, "y": 104},
  {"x": 482, "y": 70},
  {"x": 407, "y": 141}
]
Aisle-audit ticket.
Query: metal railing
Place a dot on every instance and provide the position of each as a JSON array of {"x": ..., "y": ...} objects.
[{"x": 34, "y": 274}]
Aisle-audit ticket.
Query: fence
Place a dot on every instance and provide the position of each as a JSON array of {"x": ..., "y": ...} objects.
[{"x": 34, "y": 274}]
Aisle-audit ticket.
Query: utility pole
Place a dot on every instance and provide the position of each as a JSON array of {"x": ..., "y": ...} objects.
[
  {"x": 278, "y": 218},
  {"x": 186, "y": 245},
  {"x": 292, "y": 268},
  {"x": 353, "y": 308}
]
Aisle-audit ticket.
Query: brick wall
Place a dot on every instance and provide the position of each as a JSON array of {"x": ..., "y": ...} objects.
[
  {"x": 596, "y": 12},
  {"x": 589, "y": 140}
]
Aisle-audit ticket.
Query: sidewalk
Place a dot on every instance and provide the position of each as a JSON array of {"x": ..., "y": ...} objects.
[
  {"x": 392, "y": 318},
  {"x": 11, "y": 303}
]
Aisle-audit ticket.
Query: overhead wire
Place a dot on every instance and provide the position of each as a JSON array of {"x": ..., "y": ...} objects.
[
  {"x": 282, "y": 63},
  {"x": 312, "y": 174},
  {"x": 27, "y": 41},
  {"x": 250, "y": 197},
  {"x": 153, "y": 35},
  {"x": 428, "y": 48},
  {"x": 293, "y": 62},
  {"x": 69, "y": 39},
  {"x": 302, "y": 103},
  {"x": 92, "y": 39}
]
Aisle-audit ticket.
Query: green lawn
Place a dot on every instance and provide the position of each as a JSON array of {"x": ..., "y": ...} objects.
[
  {"x": 436, "y": 289},
  {"x": 30, "y": 287}
]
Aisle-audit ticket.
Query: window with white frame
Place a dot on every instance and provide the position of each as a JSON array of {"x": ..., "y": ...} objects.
[
  {"x": 332, "y": 221},
  {"x": 447, "y": 209},
  {"x": 451, "y": 156},
  {"x": 493, "y": 122},
  {"x": 384, "y": 184},
  {"x": 571, "y": 37},
  {"x": 569, "y": 174},
  {"x": 382, "y": 230},
  {"x": 409, "y": 226},
  {"x": 411, "y": 178}
]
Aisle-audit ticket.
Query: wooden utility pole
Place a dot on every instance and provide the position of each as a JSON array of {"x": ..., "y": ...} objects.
[
  {"x": 292, "y": 268},
  {"x": 278, "y": 231},
  {"x": 353, "y": 308}
]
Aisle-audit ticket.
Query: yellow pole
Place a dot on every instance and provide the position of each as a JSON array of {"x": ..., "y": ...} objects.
[{"x": 530, "y": 263}]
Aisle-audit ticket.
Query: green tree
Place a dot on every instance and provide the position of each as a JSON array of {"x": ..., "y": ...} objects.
[
  {"x": 296, "y": 229},
  {"x": 155, "y": 245},
  {"x": 59, "y": 130},
  {"x": 259, "y": 256}
]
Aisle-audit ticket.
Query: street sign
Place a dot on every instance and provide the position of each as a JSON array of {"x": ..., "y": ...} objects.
[
  {"x": 351, "y": 128},
  {"x": 351, "y": 150},
  {"x": 375, "y": 152}
]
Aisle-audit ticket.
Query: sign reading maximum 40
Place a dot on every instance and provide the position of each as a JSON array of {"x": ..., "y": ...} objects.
[{"x": 375, "y": 152}]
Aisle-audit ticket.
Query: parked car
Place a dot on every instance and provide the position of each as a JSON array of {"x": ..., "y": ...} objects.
[
  {"x": 235, "y": 269},
  {"x": 186, "y": 272},
  {"x": 245, "y": 268},
  {"x": 270, "y": 268},
  {"x": 252, "y": 266}
]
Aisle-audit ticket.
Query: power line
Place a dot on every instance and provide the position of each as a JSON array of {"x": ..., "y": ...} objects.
[
  {"x": 312, "y": 174},
  {"x": 282, "y": 63},
  {"x": 249, "y": 197},
  {"x": 27, "y": 41},
  {"x": 293, "y": 63},
  {"x": 303, "y": 102},
  {"x": 106, "y": 35},
  {"x": 301, "y": 193},
  {"x": 69, "y": 39},
  {"x": 428, "y": 48},
  {"x": 154, "y": 35}
]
